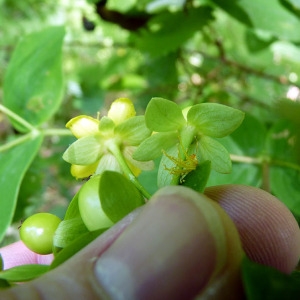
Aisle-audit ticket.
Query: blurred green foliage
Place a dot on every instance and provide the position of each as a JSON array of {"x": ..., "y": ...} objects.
[{"x": 186, "y": 51}]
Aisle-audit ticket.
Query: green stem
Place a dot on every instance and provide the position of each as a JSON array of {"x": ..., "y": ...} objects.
[
  {"x": 17, "y": 118},
  {"x": 186, "y": 137},
  {"x": 115, "y": 150},
  {"x": 57, "y": 131},
  {"x": 15, "y": 142},
  {"x": 261, "y": 160}
]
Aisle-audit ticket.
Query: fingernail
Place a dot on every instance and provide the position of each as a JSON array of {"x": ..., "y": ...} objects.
[{"x": 170, "y": 244}]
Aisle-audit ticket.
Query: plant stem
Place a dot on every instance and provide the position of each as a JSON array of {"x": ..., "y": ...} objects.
[
  {"x": 23, "y": 138},
  {"x": 17, "y": 118},
  {"x": 115, "y": 150},
  {"x": 57, "y": 131}
]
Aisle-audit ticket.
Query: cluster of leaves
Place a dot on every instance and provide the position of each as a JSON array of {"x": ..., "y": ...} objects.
[{"x": 225, "y": 52}]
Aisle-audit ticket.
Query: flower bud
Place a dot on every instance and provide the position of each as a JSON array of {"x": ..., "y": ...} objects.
[
  {"x": 120, "y": 110},
  {"x": 82, "y": 126}
]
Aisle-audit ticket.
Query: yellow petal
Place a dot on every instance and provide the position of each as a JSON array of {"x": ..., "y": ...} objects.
[
  {"x": 78, "y": 171},
  {"x": 120, "y": 110},
  {"x": 82, "y": 126}
]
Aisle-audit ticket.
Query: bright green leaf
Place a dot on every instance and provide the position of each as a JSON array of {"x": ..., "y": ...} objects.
[
  {"x": 163, "y": 115},
  {"x": 214, "y": 151},
  {"x": 68, "y": 231},
  {"x": 164, "y": 176},
  {"x": 106, "y": 126},
  {"x": 23, "y": 272},
  {"x": 84, "y": 151},
  {"x": 75, "y": 246},
  {"x": 258, "y": 13},
  {"x": 215, "y": 120},
  {"x": 284, "y": 23},
  {"x": 133, "y": 131},
  {"x": 33, "y": 85},
  {"x": 13, "y": 165},
  {"x": 152, "y": 147},
  {"x": 73, "y": 210},
  {"x": 118, "y": 195}
]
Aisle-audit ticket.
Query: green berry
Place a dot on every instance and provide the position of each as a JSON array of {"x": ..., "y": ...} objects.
[
  {"x": 37, "y": 232},
  {"x": 89, "y": 205}
]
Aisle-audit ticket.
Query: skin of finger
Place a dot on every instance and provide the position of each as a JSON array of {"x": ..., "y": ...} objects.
[
  {"x": 69, "y": 277},
  {"x": 17, "y": 254},
  {"x": 269, "y": 233},
  {"x": 227, "y": 284}
]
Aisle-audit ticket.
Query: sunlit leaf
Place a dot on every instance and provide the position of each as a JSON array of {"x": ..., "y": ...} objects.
[
  {"x": 215, "y": 152},
  {"x": 163, "y": 115},
  {"x": 215, "y": 120},
  {"x": 75, "y": 246},
  {"x": 23, "y": 272},
  {"x": 133, "y": 131},
  {"x": 84, "y": 151},
  {"x": 13, "y": 165},
  {"x": 33, "y": 85},
  {"x": 152, "y": 147},
  {"x": 68, "y": 231}
]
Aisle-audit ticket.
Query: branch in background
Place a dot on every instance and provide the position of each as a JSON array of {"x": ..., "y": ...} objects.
[
  {"x": 131, "y": 22},
  {"x": 222, "y": 57}
]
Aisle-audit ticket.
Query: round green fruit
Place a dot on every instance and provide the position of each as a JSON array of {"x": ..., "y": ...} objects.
[
  {"x": 90, "y": 208},
  {"x": 37, "y": 232}
]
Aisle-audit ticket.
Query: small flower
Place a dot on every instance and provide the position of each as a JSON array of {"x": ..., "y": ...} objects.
[
  {"x": 83, "y": 126},
  {"x": 194, "y": 127},
  {"x": 121, "y": 110},
  {"x": 108, "y": 143}
]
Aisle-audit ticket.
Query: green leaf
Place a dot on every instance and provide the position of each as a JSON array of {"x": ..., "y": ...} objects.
[
  {"x": 1, "y": 263},
  {"x": 24, "y": 272},
  {"x": 75, "y": 246},
  {"x": 133, "y": 131},
  {"x": 284, "y": 24},
  {"x": 241, "y": 173},
  {"x": 13, "y": 165},
  {"x": 162, "y": 38},
  {"x": 73, "y": 210},
  {"x": 258, "y": 13},
  {"x": 163, "y": 115},
  {"x": 262, "y": 282},
  {"x": 247, "y": 141},
  {"x": 4, "y": 284},
  {"x": 215, "y": 120},
  {"x": 84, "y": 151},
  {"x": 197, "y": 179},
  {"x": 68, "y": 231},
  {"x": 284, "y": 183},
  {"x": 106, "y": 125},
  {"x": 164, "y": 176},
  {"x": 152, "y": 147},
  {"x": 118, "y": 195},
  {"x": 214, "y": 151},
  {"x": 33, "y": 85}
]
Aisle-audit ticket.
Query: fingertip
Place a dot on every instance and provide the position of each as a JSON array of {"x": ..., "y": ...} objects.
[{"x": 269, "y": 233}]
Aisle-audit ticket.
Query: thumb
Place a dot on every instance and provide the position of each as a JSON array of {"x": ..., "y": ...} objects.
[{"x": 180, "y": 245}]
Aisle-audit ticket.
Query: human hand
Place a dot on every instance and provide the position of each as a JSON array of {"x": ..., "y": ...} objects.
[{"x": 178, "y": 246}]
